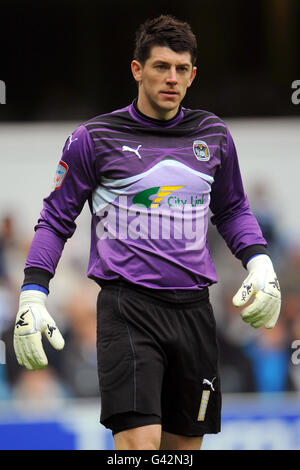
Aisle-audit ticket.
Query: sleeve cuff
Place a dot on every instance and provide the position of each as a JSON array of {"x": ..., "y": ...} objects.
[{"x": 39, "y": 276}]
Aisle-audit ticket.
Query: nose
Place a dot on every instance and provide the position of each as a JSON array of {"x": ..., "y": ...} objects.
[{"x": 172, "y": 76}]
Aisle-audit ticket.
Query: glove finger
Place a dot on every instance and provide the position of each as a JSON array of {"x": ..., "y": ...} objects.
[
  {"x": 17, "y": 351},
  {"x": 33, "y": 350},
  {"x": 20, "y": 353},
  {"x": 257, "y": 307},
  {"x": 265, "y": 313},
  {"x": 272, "y": 322},
  {"x": 245, "y": 291},
  {"x": 54, "y": 336},
  {"x": 37, "y": 353},
  {"x": 25, "y": 341},
  {"x": 261, "y": 311},
  {"x": 265, "y": 317}
]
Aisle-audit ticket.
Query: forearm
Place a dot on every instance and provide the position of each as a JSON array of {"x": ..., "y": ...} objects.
[
  {"x": 240, "y": 232},
  {"x": 43, "y": 256}
]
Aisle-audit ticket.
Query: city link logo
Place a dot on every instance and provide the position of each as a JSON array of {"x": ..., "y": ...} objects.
[
  {"x": 161, "y": 193},
  {"x": 2, "y": 92}
]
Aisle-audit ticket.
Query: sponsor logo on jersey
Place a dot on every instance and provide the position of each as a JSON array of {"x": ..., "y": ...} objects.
[
  {"x": 166, "y": 194},
  {"x": 201, "y": 150},
  {"x": 61, "y": 171},
  {"x": 143, "y": 198}
]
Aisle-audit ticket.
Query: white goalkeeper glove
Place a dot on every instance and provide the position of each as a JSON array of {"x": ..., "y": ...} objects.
[
  {"x": 33, "y": 320},
  {"x": 262, "y": 283}
]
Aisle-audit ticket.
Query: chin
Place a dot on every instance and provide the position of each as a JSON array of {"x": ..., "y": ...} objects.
[{"x": 167, "y": 106}]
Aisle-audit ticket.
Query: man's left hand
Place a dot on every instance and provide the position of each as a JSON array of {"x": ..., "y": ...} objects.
[{"x": 263, "y": 285}]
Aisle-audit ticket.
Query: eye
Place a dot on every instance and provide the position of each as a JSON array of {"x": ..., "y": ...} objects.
[{"x": 161, "y": 67}]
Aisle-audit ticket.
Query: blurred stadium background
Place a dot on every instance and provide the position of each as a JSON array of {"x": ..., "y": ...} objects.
[{"x": 64, "y": 62}]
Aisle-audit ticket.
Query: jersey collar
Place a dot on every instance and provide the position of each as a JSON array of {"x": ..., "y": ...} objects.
[{"x": 151, "y": 122}]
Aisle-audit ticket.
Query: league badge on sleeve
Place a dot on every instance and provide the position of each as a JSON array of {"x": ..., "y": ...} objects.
[
  {"x": 201, "y": 150},
  {"x": 61, "y": 171}
]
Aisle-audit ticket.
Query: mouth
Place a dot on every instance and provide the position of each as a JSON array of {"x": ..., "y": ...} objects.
[{"x": 169, "y": 93}]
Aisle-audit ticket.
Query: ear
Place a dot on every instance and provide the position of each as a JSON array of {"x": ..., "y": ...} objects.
[
  {"x": 136, "y": 69},
  {"x": 193, "y": 75}
]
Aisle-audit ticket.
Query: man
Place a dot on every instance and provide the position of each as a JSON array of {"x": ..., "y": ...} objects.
[{"x": 150, "y": 173}]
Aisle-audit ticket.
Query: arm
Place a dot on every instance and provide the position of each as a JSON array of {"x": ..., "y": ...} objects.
[
  {"x": 74, "y": 182},
  {"x": 239, "y": 228},
  {"x": 230, "y": 209}
]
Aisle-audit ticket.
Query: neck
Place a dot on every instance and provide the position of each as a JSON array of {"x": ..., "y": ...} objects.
[{"x": 150, "y": 111}]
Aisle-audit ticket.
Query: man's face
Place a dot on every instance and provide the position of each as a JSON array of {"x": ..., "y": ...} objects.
[{"x": 163, "y": 81}]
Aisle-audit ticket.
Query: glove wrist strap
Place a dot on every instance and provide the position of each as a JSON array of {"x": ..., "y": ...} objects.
[
  {"x": 36, "y": 287},
  {"x": 260, "y": 263}
]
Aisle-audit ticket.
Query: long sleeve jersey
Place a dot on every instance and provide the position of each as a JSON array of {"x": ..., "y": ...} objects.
[{"x": 151, "y": 187}]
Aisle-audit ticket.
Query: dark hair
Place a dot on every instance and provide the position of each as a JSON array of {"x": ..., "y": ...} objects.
[{"x": 165, "y": 31}]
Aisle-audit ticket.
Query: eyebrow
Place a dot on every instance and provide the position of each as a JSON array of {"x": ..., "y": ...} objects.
[{"x": 162, "y": 61}]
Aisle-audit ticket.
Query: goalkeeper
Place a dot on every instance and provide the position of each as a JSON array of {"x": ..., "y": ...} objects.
[{"x": 151, "y": 165}]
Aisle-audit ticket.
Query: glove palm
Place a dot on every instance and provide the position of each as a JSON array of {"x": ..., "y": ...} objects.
[{"x": 32, "y": 320}]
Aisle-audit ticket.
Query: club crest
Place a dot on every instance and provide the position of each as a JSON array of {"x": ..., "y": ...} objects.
[{"x": 201, "y": 150}]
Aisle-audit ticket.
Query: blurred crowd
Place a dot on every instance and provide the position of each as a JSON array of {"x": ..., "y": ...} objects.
[{"x": 250, "y": 360}]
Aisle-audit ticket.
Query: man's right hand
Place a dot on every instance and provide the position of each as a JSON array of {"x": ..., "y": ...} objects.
[{"x": 32, "y": 320}]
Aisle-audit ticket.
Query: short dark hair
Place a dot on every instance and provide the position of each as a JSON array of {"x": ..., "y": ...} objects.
[{"x": 168, "y": 31}]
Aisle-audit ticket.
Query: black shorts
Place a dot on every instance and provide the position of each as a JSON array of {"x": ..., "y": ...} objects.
[{"x": 157, "y": 360}]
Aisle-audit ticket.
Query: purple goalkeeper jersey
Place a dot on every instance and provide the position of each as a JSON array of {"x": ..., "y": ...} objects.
[{"x": 150, "y": 186}]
